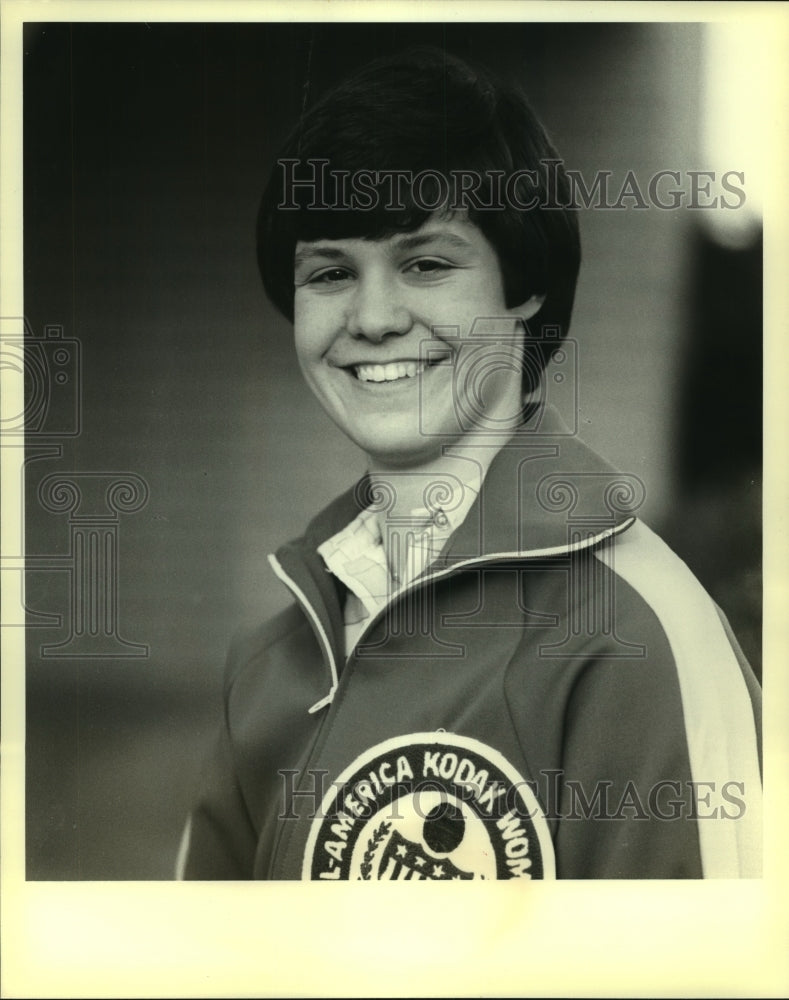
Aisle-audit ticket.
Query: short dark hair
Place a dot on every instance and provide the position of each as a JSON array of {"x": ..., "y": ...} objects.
[{"x": 426, "y": 110}]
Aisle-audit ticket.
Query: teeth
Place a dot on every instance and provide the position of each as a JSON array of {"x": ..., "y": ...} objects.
[{"x": 389, "y": 373}]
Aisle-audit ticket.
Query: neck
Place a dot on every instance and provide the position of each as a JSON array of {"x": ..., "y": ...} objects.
[{"x": 417, "y": 485}]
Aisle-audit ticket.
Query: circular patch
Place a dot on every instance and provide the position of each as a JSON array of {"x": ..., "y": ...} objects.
[{"x": 430, "y": 806}]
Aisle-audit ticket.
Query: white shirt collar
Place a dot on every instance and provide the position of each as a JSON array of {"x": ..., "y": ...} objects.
[{"x": 356, "y": 555}]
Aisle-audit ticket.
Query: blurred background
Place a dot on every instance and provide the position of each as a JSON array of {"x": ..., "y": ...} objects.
[{"x": 146, "y": 149}]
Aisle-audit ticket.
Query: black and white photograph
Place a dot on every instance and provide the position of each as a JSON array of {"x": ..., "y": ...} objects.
[{"x": 384, "y": 454}]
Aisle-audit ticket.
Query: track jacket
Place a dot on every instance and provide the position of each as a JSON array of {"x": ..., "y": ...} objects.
[{"x": 556, "y": 696}]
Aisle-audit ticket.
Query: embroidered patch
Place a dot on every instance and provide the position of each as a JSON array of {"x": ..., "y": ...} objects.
[{"x": 429, "y": 806}]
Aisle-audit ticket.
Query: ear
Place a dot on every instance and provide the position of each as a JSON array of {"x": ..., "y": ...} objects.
[{"x": 529, "y": 308}]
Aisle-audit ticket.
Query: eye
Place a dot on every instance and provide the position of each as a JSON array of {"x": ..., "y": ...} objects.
[
  {"x": 331, "y": 276},
  {"x": 429, "y": 267}
]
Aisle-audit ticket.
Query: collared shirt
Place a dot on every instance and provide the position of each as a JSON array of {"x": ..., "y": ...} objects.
[{"x": 357, "y": 555}]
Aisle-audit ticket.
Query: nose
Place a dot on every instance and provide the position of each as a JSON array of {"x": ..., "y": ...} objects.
[{"x": 376, "y": 310}]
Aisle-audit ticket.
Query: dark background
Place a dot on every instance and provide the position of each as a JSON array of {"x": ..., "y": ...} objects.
[{"x": 146, "y": 149}]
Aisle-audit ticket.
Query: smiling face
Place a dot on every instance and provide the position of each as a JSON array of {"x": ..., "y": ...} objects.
[{"x": 388, "y": 338}]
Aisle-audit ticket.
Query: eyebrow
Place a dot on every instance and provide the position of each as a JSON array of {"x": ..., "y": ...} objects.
[
  {"x": 412, "y": 241},
  {"x": 319, "y": 250}
]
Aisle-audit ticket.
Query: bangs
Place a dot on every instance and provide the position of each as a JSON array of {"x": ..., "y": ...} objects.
[
  {"x": 378, "y": 223},
  {"x": 369, "y": 205}
]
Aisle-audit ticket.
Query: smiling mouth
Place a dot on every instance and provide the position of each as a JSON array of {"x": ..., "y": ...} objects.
[{"x": 392, "y": 372}]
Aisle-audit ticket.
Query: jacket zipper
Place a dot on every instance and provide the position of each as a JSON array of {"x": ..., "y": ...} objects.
[
  {"x": 323, "y": 639},
  {"x": 317, "y": 626}
]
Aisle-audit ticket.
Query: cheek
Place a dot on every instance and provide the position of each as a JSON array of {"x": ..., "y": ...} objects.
[
  {"x": 309, "y": 331},
  {"x": 476, "y": 303}
]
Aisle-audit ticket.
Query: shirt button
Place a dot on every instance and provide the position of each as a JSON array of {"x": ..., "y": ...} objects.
[{"x": 440, "y": 519}]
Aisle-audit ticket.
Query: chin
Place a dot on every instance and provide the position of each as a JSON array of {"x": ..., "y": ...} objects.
[
  {"x": 402, "y": 454},
  {"x": 407, "y": 444}
]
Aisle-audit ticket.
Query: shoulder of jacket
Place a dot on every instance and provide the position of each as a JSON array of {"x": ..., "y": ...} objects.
[{"x": 251, "y": 641}]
